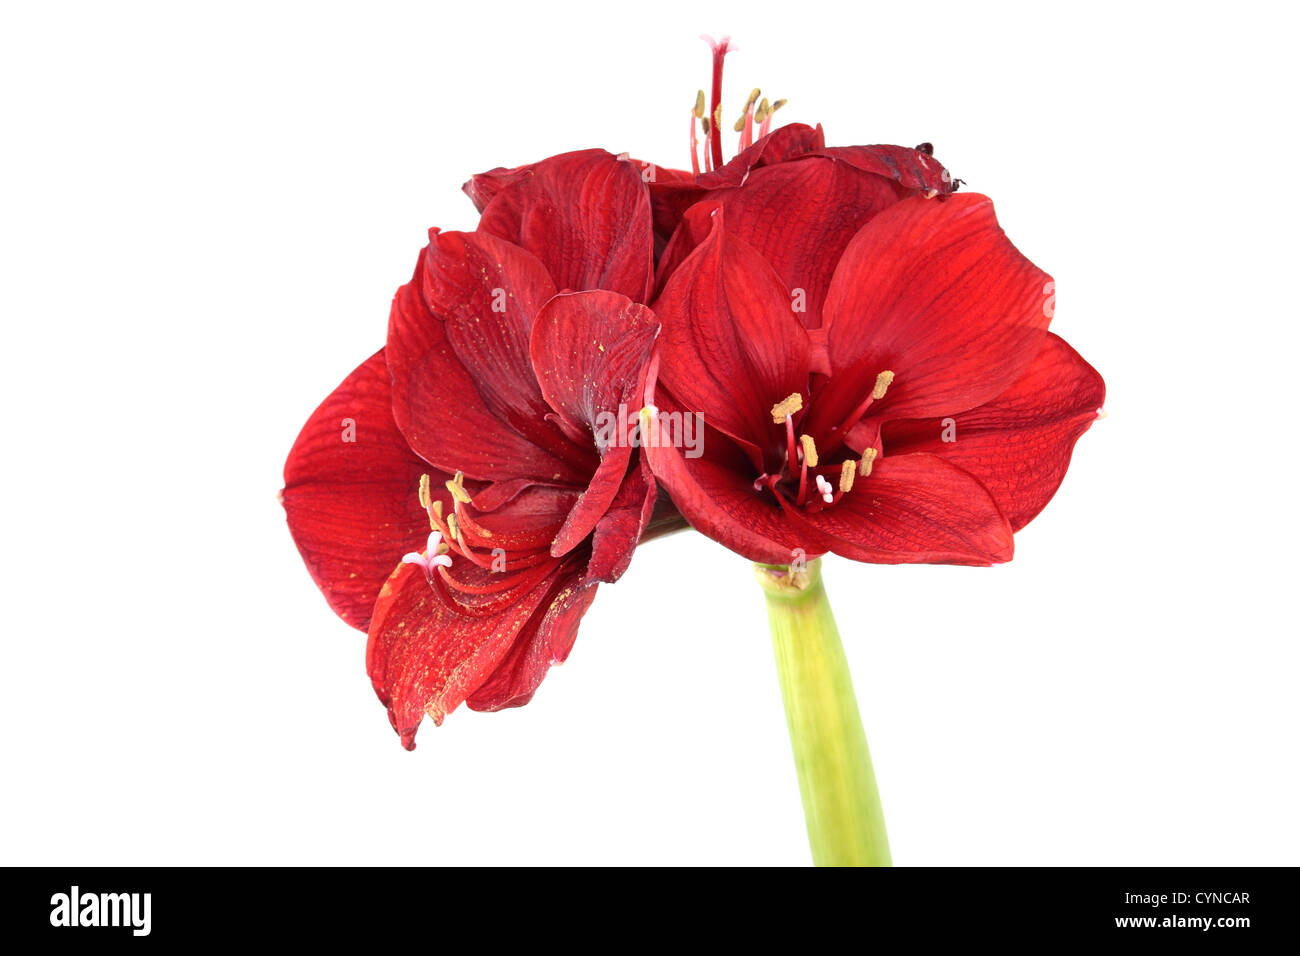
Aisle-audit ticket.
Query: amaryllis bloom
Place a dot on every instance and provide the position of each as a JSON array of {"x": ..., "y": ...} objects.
[
  {"x": 868, "y": 351},
  {"x": 489, "y": 481},
  {"x": 915, "y": 409}
]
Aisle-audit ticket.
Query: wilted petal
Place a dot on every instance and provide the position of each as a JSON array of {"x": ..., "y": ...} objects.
[{"x": 915, "y": 172}]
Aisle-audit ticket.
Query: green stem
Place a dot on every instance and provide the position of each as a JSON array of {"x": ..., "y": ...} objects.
[{"x": 846, "y": 826}]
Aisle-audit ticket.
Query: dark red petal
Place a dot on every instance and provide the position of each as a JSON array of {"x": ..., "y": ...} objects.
[
  {"x": 671, "y": 197},
  {"x": 476, "y": 591},
  {"x": 487, "y": 292},
  {"x": 935, "y": 292},
  {"x": 595, "y": 501},
  {"x": 800, "y": 216},
  {"x": 1018, "y": 445},
  {"x": 483, "y": 187},
  {"x": 590, "y": 351},
  {"x": 671, "y": 193},
  {"x": 440, "y": 411},
  {"x": 423, "y": 656},
  {"x": 353, "y": 505},
  {"x": 652, "y": 173},
  {"x": 619, "y": 529},
  {"x": 715, "y": 493},
  {"x": 916, "y": 509},
  {"x": 586, "y": 215},
  {"x": 547, "y": 641},
  {"x": 669, "y": 202},
  {"x": 529, "y": 519},
  {"x": 731, "y": 346},
  {"x": 779, "y": 146},
  {"x": 692, "y": 229}
]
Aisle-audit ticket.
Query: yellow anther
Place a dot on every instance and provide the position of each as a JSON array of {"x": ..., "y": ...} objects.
[
  {"x": 786, "y": 407},
  {"x": 424, "y": 492},
  {"x": 809, "y": 451},
  {"x": 764, "y": 110},
  {"x": 453, "y": 528},
  {"x": 868, "y": 459},
  {"x": 847, "y": 472},
  {"x": 778, "y": 104},
  {"x": 457, "y": 488},
  {"x": 717, "y": 116},
  {"x": 437, "y": 509},
  {"x": 699, "y": 105},
  {"x": 753, "y": 96},
  {"x": 882, "y": 385}
]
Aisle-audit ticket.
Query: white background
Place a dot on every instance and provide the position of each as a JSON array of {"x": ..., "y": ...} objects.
[{"x": 206, "y": 210}]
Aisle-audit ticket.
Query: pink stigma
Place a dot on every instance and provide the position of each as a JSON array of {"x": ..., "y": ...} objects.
[{"x": 431, "y": 558}]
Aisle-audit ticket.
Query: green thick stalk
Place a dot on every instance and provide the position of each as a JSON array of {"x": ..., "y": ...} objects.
[{"x": 846, "y": 826}]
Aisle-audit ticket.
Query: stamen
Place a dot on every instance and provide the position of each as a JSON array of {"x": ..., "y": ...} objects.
[
  {"x": 745, "y": 125},
  {"x": 708, "y": 138},
  {"x": 791, "y": 451},
  {"x": 424, "y": 492},
  {"x": 767, "y": 118},
  {"x": 847, "y": 471},
  {"x": 696, "y": 113},
  {"x": 809, "y": 450},
  {"x": 745, "y": 113},
  {"x": 457, "y": 488},
  {"x": 786, "y": 407},
  {"x": 878, "y": 390},
  {"x": 883, "y": 381},
  {"x": 436, "y": 508},
  {"x": 452, "y": 528},
  {"x": 464, "y": 524},
  {"x": 868, "y": 459}
]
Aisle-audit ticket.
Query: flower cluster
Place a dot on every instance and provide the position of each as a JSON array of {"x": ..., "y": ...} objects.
[{"x": 867, "y": 355}]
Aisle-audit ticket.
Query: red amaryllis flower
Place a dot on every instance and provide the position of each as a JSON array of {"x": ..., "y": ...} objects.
[
  {"x": 501, "y": 395},
  {"x": 924, "y": 416},
  {"x": 869, "y": 352}
]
